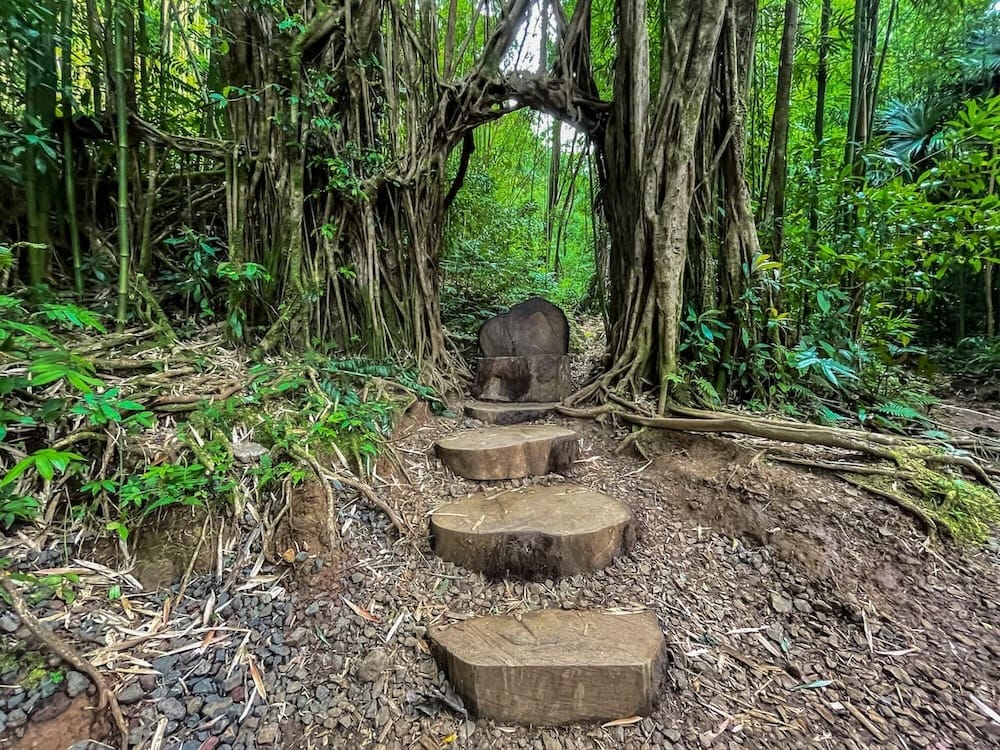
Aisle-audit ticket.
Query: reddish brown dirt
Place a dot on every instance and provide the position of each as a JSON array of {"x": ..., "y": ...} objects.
[
  {"x": 799, "y": 611},
  {"x": 907, "y": 632},
  {"x": 302, "y": 539},
  {"x": 61, "y": 722}
]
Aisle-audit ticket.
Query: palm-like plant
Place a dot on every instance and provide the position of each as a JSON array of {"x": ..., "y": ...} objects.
[
  {"x": 913, "y": 131},
  {"x": 980, "y": 64}
]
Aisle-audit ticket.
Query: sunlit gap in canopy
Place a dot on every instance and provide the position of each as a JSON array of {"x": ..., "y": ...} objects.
[{"x": 523, "y": 57}]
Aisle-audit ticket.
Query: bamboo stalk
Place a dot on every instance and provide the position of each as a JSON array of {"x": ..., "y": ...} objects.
[
  {"x": 66, "y": 43},
  {"x": 122, "y": 120}
]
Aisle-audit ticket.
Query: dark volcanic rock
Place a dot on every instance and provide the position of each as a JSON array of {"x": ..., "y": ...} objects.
[{"x": 534, "y": 326}]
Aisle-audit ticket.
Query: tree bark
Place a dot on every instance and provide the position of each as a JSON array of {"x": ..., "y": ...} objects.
[
  {"x": 862, "y": 80},
  {"x": 40, "y": 87},
  {"x": 121, "y": 143},
  {"x": 69, "y": 182},
  {"x": 347, "y": 219},
  {"x": 649, "y": 172},
  {"x": 819, "y": 119},
  {"x": 774, "y": 204}
]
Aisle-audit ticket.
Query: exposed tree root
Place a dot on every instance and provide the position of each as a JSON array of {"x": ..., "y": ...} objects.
[
  {"x": 331, "y": 498},
  {"x": 190, "y": 401},
  {"x": 839, "y": 468},
  {"x": 360, "y": 487},
  {"x": 375, "y": 500},
  {"x": 105, "y": 697},
  {"x": 910, "y": 458},
  {"x": 872, "y": 444},
  {"x": 931, "y": 526}
]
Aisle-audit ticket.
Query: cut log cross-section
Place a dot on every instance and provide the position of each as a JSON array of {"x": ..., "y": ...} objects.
[
  {"x": 535, "y": 533},
  {"x": 509, "y": 452},
  {"x": 554, "y": 666},
  {"x": 503, "y": 414}
]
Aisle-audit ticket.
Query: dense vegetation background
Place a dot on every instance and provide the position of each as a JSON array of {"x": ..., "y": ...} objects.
[{"x": 787, "y": 205}]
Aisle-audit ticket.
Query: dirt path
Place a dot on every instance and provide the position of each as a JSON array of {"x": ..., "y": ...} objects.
[{"x": 798, "y": 612}]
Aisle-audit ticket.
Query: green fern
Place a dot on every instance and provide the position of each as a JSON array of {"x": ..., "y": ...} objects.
[
  {"x": 706, "y": 391},
  {"x": 828, "y": 416}
]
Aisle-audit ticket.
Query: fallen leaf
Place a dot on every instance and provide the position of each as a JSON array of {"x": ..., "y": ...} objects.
[
  {"x": 289, "y": 555},
  {"x": 258, "y": 679},
  {"x": 362, "y": 613},
  {"x": 622, "y": 722},
  {"x": 815, "y": 685}
]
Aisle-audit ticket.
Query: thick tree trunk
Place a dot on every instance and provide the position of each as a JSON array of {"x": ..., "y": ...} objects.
[
  {"x": 338, "y": 182},
  {"x": 649, "y": 171},
  {"x": 723, "y": 239}
]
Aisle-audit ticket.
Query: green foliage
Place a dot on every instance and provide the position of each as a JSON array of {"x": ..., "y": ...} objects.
[
  {"x": 967, "y": 510},
  {"x": 105, "y": 407},
  {"x": 975, "y": 357},
  {"x": 32, "y": 359},
  {"x": 51, "y": 585},
  {"x": 15, "y": 508},
  {"x": 164, "y": 486},
  {"x": 334, "y": 410},
  {"x": 199, "y": 258},
  {"x": 495, "y": 251}
]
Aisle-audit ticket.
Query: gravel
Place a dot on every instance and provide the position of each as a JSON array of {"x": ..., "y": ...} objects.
[{"x": 131, "y": 693}]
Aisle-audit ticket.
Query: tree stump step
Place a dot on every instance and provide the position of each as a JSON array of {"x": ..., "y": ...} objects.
[
  {"x": 535, "y": 533},
  {"x": 554, "y": 666},
  {"x": 510, "y": 452},
  {"x": 505, "y": 413},
  {"x": 537, "y": 377}
]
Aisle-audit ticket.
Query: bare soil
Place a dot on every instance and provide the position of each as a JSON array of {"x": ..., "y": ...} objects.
[
  {"x": 799, "y": 611},
  {"x": 62, "y": 722}
]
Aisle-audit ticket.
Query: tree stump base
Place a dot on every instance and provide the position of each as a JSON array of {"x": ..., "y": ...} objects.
[
  {"x": 534, "y": 533},
  {"x": 537, "y": 377},
  {"x": 553, "y": 667}
]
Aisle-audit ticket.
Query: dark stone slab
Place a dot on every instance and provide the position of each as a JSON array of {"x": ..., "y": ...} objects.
[{"x": 534, "y": 326}]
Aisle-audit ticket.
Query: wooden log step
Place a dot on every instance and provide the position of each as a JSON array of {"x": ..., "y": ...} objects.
[
  {"x": 535, "y": 533},
  {"x": 554, "y": 666},
  {"x": 503, "y": 413},
  {"x": 509, "y": 452}
]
